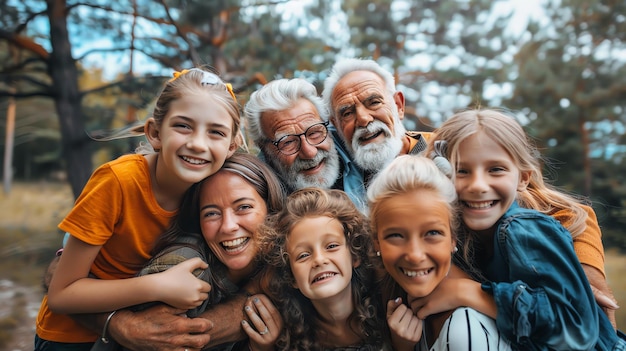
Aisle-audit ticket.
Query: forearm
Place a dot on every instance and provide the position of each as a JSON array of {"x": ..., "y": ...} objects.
[
  {"x": 472, "y": 295},
  {"x": 226, "y": 318},
  {"x": 602, "y": 293}
]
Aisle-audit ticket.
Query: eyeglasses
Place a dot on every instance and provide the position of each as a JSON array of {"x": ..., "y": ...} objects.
[{"x": 314, "y": 135}]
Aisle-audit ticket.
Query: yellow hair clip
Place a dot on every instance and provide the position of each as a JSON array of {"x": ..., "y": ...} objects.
[
  {"x": 177, "y": 74},
  {"x": 208, "y": 78}
]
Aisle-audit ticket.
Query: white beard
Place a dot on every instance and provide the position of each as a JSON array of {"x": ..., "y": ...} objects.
[
  {"x": 296, "y": 180},
  {"x": 374, "y": 157}
]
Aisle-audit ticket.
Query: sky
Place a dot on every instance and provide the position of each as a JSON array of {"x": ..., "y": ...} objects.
[{"x": 523, "y": 10}]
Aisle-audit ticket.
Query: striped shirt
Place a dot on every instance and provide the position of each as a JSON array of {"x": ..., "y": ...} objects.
[{"x": 468, "y": 330}]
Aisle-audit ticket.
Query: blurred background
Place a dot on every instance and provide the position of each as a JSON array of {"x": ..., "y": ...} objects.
[{"x": 71, "y": 70}]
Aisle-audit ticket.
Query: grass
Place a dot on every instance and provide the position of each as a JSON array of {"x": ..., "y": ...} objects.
[
  {"x": 28, "y": 233},
  {"x": 615, "y": 267}
]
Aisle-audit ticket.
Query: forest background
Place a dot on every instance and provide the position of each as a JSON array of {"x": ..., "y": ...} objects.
[{"x": 71, "y": 70}]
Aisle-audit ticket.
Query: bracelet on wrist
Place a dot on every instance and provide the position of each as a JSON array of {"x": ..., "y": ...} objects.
[{"x": 103, "y": 336}]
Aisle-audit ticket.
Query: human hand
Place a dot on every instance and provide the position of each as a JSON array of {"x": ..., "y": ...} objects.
[
  {"x": 179, "y": 287},
  {"x": 442, "y": 298},
  {"x": 602, "y": 293},
  {"x": 266, "y": 320},
  {"x": 404, "y": 325},
  {"x": 159, "y": 328}
]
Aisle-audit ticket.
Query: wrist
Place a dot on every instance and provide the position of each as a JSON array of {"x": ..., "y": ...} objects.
[{"x": 105, "y": 336}]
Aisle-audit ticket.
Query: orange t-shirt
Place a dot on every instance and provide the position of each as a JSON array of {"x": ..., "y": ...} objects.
[
  {"x": 588, "y": 244},
  {"x": 118, "y": 211}
]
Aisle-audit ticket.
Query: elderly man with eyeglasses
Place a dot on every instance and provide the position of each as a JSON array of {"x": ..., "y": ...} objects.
[{"x": 289, "y": 123}]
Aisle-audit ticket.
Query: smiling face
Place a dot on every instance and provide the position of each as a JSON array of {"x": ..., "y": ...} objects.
[
  {"x": 369, "y": 118},
  {"x": 487, "y": 181},
  {"x": 312, "y": 165},
  {"x": 320, "y": 259},
  {"x": 195, "y": 138},
  {"x": 230, "y": 213},
  {"x": 415, "y": 249}
]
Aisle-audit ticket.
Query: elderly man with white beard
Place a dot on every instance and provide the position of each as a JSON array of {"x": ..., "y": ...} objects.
[
  {"x": 367, "y": 111},
  {"x": 289, "y": 123}
]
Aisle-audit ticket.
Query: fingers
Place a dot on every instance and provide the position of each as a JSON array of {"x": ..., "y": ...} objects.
[
  {"x": 265, "y": 321},
  {"x": 194, "y": 263},
  {"x": 603, "y": 300}
]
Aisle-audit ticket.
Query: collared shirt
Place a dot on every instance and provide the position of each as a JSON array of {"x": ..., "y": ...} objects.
[
  {"x": 543, "y": 297},
  {"x": 351, "y": 179}
]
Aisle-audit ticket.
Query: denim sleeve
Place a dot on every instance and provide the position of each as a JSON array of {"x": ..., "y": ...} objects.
[{"x": 546, "y": 301}]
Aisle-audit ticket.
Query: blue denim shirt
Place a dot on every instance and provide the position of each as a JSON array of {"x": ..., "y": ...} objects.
[
  {"x": 543, "y": 297},
  {"x": 352, "y": 176}
]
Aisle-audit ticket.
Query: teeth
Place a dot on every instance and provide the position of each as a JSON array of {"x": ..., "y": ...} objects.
[
  {"x": 323, "y": 276},
  {"x": 479, "y": 205},
  {"x": 370, "y": 136},
  {"x": 230, "y": 244},
  {"x": 195, "y": 161},
  {"x": 415, "y": 273}
]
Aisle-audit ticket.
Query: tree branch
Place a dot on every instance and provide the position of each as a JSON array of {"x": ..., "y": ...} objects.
[
  {"x": 25, "y": 43},
  {"x": 32, "y": 80},
  {"x": 100, "y": 50},
  {"x": 118, "y": 83},
  {"x": 6, "y": 93},
  {"x": 193, "y": 54}
]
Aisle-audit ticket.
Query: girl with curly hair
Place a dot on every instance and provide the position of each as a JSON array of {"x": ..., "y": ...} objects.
[{"x": 319, "y": 275}]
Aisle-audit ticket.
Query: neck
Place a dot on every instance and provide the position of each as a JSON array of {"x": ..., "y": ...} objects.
[{"x": 168, "y": 193}]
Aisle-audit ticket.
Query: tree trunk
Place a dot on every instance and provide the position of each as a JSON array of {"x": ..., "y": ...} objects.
[
  {"x": 584, "y": 139},
  {"x": 8, "y": 145},
  {"x": 64, "y": 74}
]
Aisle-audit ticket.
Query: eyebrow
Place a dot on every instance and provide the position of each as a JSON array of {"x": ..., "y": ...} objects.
[
  {"x": 241, "y": 199},
  {"x": 344, "y": 108},
  {"x": 191, "y": 120}
]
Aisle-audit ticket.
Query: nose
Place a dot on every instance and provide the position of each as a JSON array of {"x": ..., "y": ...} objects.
[
  {"x": 415, "y": 252},
  {"x": 197, "y": 141},
  {"x": 478, "y": 183},
  {"x": 363, "y": 117},
  {"x": 307, "y": 151},
  {"x": 319, "y": 258},
  {"x": 229, "y": 222}
]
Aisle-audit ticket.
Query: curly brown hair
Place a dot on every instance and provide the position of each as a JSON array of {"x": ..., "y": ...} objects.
[{"x": 303, "y": 331}]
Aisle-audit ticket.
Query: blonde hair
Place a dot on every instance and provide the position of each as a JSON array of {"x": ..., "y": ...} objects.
[
  {"x": 409, "y": 173},
  {"x": 190, "y": 81},
  {"x": 508, "y": 133}
]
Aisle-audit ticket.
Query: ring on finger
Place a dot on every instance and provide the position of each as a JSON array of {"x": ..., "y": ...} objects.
[{"x": 264, "y": 331}]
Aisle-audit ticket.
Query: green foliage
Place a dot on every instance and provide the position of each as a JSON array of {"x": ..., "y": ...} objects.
[
  {"x": 573, "y": 86},
  {"x": 562, "y": 73}
]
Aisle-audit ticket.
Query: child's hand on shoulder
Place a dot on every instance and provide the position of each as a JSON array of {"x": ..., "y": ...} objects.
[
  {"x": 180, "y": 288},
  {"x": 265, "y": 323},
  {"x": 405, "y": 327}
]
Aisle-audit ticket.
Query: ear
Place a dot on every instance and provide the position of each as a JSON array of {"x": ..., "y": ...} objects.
[
  {"x": 524, "y": 179},
  {"x": 356, "y": 262},
  {"x": 398, "y": 98},
  {"x": 335, "y": 121},
  {"x": 454, "y": 242},
  {"x": 232, "y": 148},
  {"x": 153, "y": 133}
]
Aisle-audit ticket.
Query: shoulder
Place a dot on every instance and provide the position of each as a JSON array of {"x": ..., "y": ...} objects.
[
  {"x": 419, "y": 135},
  {"x": 127, "y": 167},
  {"x": 418, "y": 141}
]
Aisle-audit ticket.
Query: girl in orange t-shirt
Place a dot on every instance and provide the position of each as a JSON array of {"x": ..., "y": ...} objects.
[{"x": 128, "y": 203}]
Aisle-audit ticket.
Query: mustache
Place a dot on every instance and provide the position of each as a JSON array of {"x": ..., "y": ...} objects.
[
  {"x": 371, "y": 128},
  {"x": 300, "y": 164}
]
